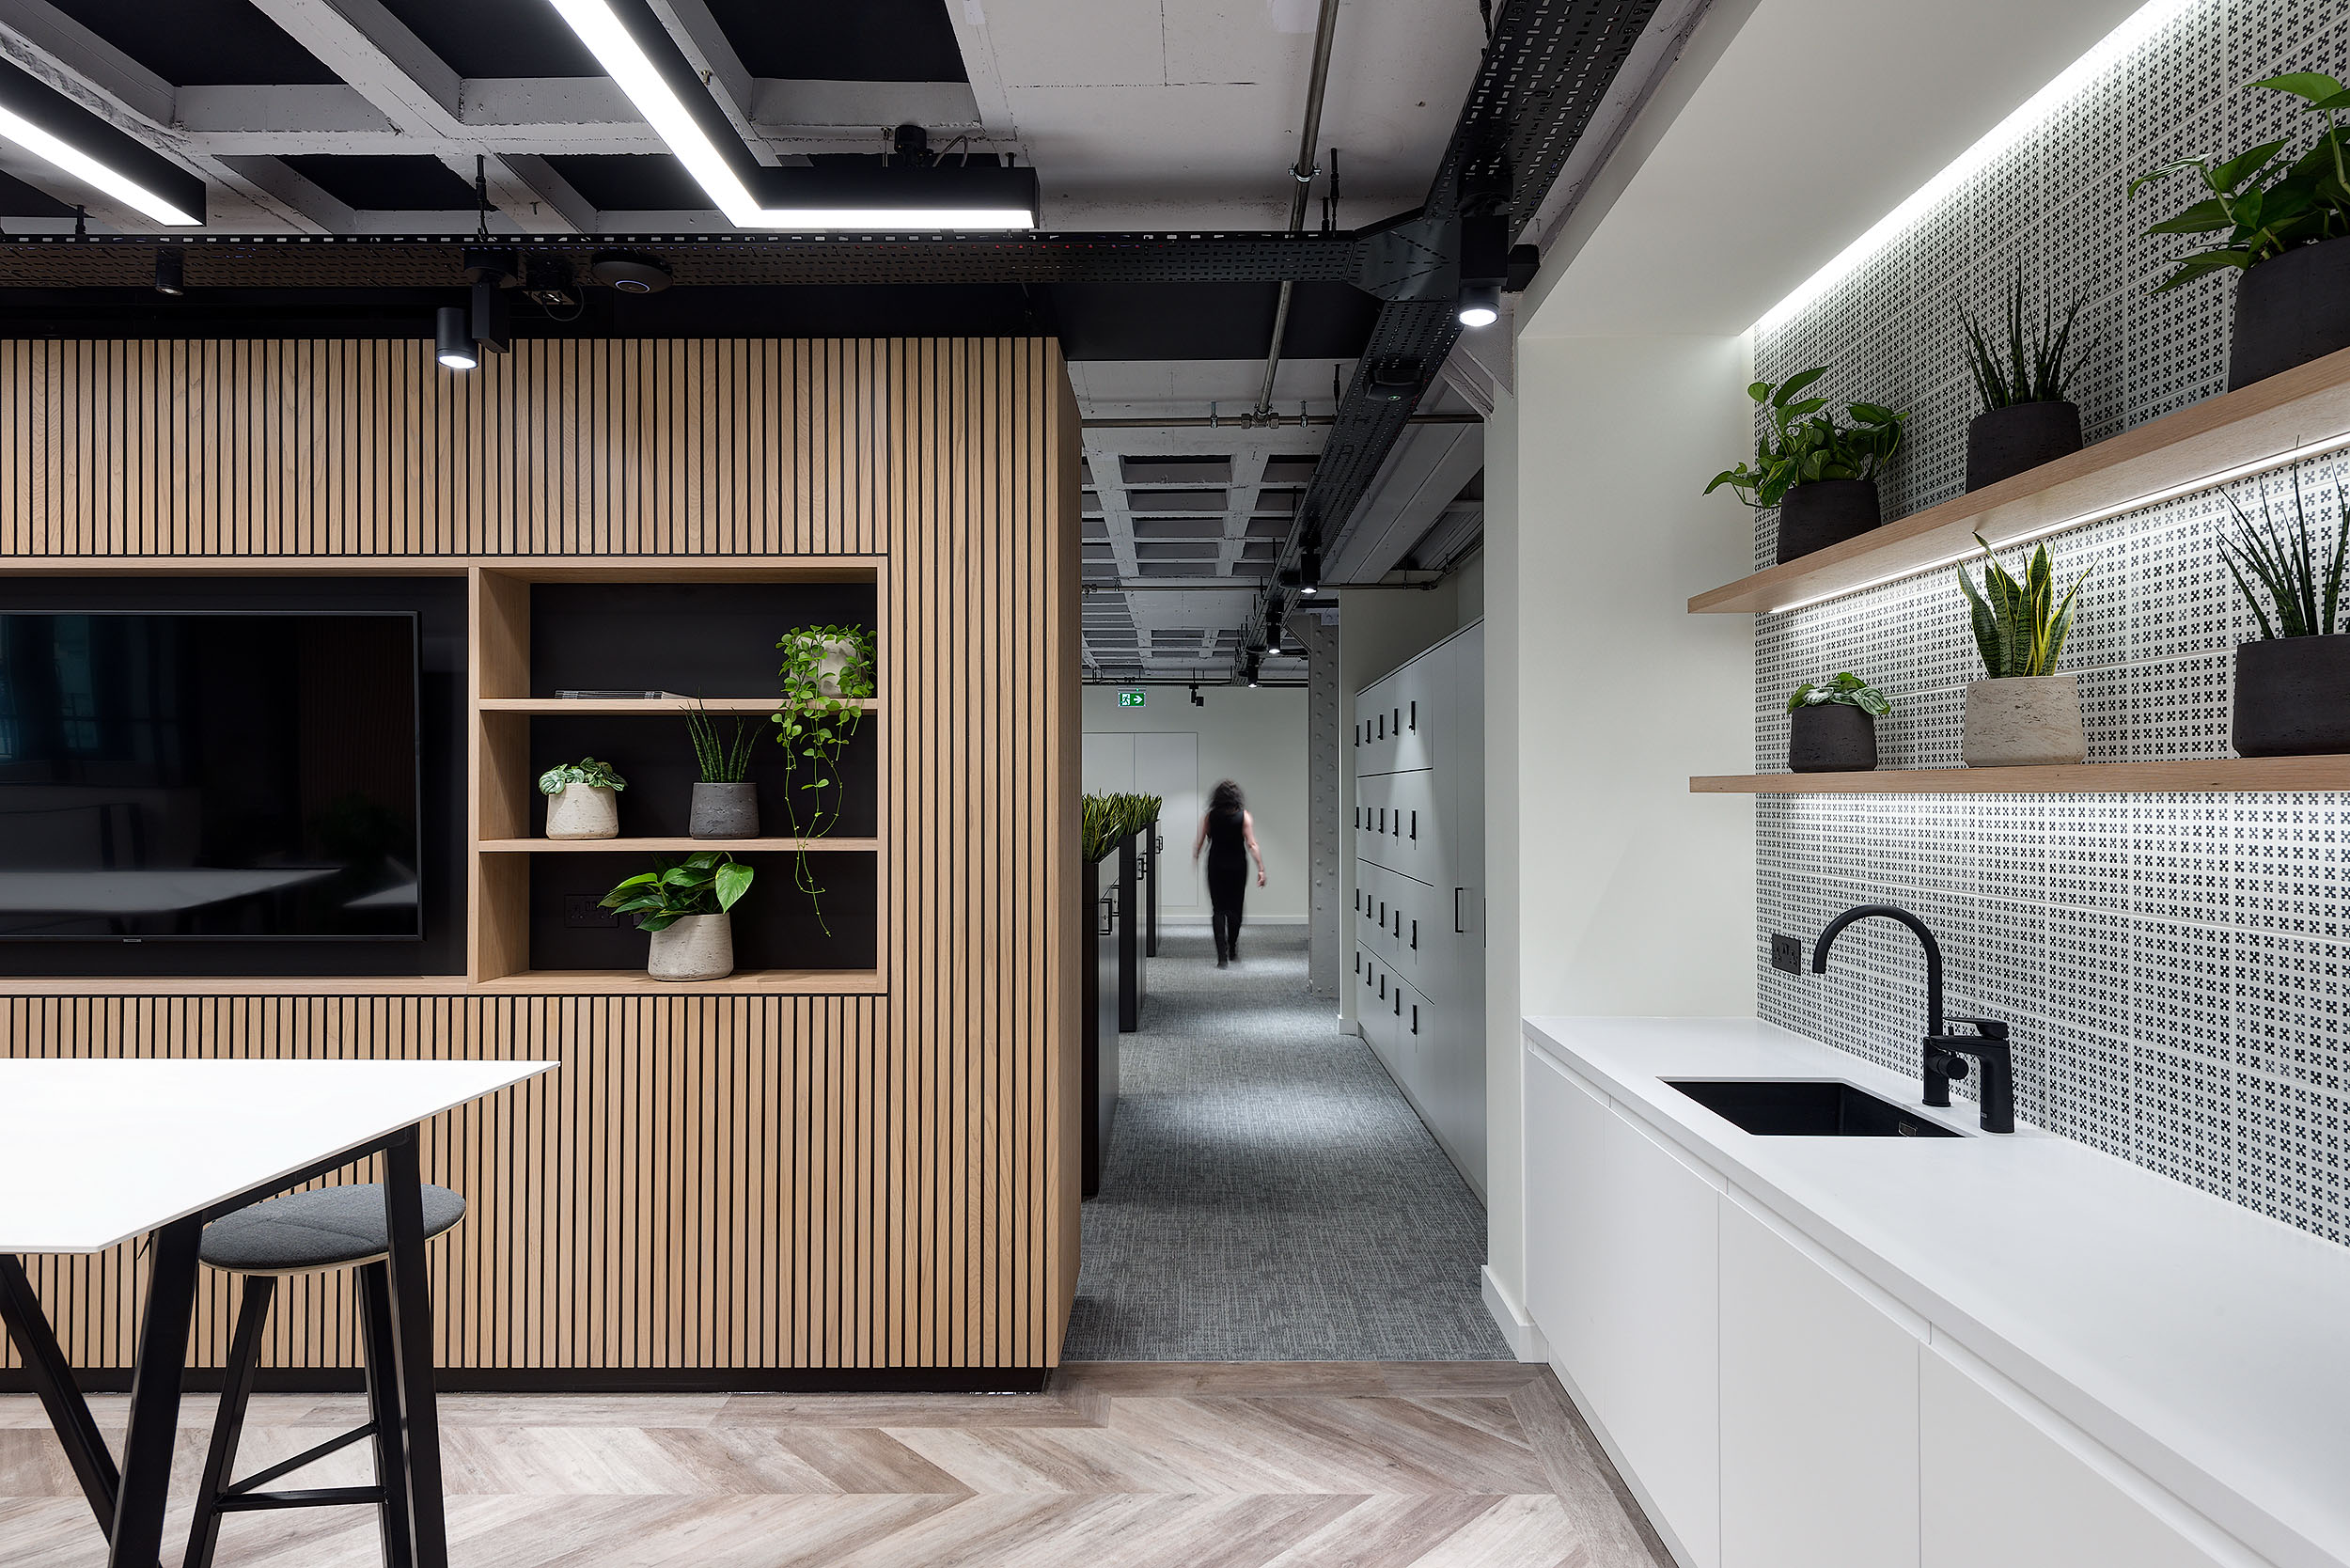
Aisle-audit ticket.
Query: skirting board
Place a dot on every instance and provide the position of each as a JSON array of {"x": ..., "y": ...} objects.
[
  {"x": 602, "y": 1380},
  {"x": 1525, "y": 1341}
]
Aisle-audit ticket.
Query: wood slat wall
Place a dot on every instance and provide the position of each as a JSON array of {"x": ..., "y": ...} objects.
[{"x": 730, "y": 1181}]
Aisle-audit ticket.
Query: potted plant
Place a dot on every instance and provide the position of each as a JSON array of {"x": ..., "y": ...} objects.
[
  {"x": 1822, "y": 474},
  {"x": 2027, "y": 419},
  {"x": 828, "y": 673},
  {"x": 686, "y": 908},
  {"x": 1834, "y": 726},
  {"x": 726, "y": 803},
  {"x": 2283, "y": 220},
  {"x": 2022, "y": 714},
  {"x": 2292, "y": 686},
  {"x": 581, "y": 799}
]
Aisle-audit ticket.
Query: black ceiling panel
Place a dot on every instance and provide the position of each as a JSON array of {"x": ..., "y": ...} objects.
[
  {"x": 632, "y": 181},
  {"x": 498, "y": 37},
  {"x": 871, "y": 41},
  {"x": 384, "y": 184},
  {"x": 19, "y": 200},
  {"x": 199, "y": 42}
]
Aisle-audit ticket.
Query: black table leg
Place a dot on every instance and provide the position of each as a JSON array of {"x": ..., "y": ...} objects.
[
  {"x": 52, "y": 1378},
  {"x": 137, "y": 1536},
  {"x": 412, "y": 1336}
]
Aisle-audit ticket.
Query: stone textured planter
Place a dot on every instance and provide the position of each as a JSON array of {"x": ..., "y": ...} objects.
[
  {"x": 584, "y": 811},
  {"x": 2289, "y": 311},
  {"x": 723, "y": 811},
  {"x": 2292, "y": 697},
  {"x": 693, "y": 947},
  {"x": 2025, "y": 721},
  {"x": 1823, "y": 512},
  {"x": 2002, "y": 443},
  {"x": 1831, "y": 737}
]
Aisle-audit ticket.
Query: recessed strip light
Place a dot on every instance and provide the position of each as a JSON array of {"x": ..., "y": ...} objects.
[
  {"x": 625, "y": 61},
  {"x": 2110, "y": 51},
  {"x": 71, "y": 160},
  {"x": 2081, "y": 520}
]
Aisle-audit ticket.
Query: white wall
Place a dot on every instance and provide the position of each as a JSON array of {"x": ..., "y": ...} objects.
[{"x": 1255, "y": 738}]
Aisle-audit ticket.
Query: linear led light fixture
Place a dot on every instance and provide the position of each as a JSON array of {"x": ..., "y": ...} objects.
[
  {"x": 2142, "y": 24},
  {"x": 72, "y": 161},
  {"x": 2080, "y": 520},
  {"x": 624, "y": 59}
]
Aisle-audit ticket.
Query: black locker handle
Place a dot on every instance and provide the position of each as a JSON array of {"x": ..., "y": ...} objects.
[
  {"x": 1415, "y": 1018},
  {"x": 1415, "y": 936},
  {"x": 1458, "y": 929},
  {"x": 1399, "y": 1001},
  {"x": 1416, "y": 825},
  {"x": 1416, "y": 717}
]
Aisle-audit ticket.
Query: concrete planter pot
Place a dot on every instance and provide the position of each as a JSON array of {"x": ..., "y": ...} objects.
[
  {"x": 2024, "y": 721},
  {"x": 584, "y": 811},
  {"x": 723, "y": 811},
  {"x": 1823, "y": 512},
  {"x": 693, "y": 947},
  {"x": 1831, "y": 737},
  {"x": 837, "y": 657},
  {"x": 2289, "y": 311},
  {"x": 2002, "y": 443},
  {"x": 2292, "y": 697}
]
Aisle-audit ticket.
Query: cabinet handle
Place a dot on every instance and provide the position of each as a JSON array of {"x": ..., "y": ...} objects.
[
  {"x": 1416, "y": 825},
  {"x": 1399, "y": 821},
  {"x": 1358, "y": 960},
  {"x": 1399, "y": 1001},
  {"x": 1383, "y": 988},
  {"x": 1416, "y": 717},
  {"x": 1458, "y": 929},
  {"x": 1382, "y": 726},
  {"x": 1415, "y": 936},
  {"x": 1358, "y": 734},
  {"x": 1398, "y": 721},
  {"x": 1108, "y": 909},
  {"x": 1415, "y": 1018}
]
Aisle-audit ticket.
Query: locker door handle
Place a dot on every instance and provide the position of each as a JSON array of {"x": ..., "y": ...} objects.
[
  {"x": 1415, "y": 717},
  {"x": 1399, "y": 1001},
  {"x": 1415, "y": 1018},
  {"x": 1416, "y": 825},
  {"x": 1383, "y": 988},
  {"x": 1398, "y": 721},
  {"x": 1359, "y": 962},
  {"x": 1399, "y": 822},
  {"x": 1458, "y": 929},
  {"x": 1358, "y": 734},
  {"x": 1108, "y": 911},
  {"x": 1382, "y": 726},
  {"x": 1415, "y": 936}
]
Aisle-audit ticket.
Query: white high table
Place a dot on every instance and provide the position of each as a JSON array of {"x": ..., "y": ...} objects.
[{"x": 93, "y": 1154}]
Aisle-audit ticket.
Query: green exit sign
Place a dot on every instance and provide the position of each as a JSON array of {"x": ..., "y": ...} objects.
[{"x": 1130, "y": 700}]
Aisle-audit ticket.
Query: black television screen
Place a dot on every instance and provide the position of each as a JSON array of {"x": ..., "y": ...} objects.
[{"x": 208, "y": 775}]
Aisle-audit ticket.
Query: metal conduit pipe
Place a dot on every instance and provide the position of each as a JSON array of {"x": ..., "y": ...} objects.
[{"x": 1302, "y": 172}]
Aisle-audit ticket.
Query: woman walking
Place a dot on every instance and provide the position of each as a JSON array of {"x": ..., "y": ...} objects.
[{"x": 1230, "y": 835}]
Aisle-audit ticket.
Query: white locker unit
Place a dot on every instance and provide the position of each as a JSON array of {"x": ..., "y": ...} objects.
[{"x": 1418, "y": 838}]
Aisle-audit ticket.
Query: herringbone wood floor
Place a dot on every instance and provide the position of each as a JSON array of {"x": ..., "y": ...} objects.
[{"x": 1126, "y": 1464}]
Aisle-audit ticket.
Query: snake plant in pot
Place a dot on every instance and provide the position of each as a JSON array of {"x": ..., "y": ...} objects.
[
  {"x": 2292, "y": 684},
  {"x": 725, "y": 802},
  {"x": 1822, "y": 474},
  {"x": 1832, "y": 726},
  {"x": 2022, "y": 714},
  {"x": 2027, "y": 419},
  {"x": 2280, "y": 215}
]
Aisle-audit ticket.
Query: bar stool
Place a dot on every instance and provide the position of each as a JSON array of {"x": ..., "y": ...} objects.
[{"x": 303, "y": 1232}]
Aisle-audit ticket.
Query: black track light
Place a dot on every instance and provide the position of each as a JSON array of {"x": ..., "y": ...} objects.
[
  {"x": 453, "y": 339},
  {"x": 1197, "y": 700},
  {"x": 1484, "y": 267},
  {"x": 1251, "y": 669},
  {"x": 1309, "y": 573},
  {"x": 1480, "y": 304},
  {"x": 171, "y": 272}
]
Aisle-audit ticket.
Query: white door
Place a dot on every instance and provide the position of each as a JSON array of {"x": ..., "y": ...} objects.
[
  {"x": 1106, "y": 765},
  {"x": 1167, "y": 766}
]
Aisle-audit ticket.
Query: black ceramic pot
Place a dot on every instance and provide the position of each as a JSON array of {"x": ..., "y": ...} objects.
[
  {"x": 723, "y": 811},
  {"x": 2290, "y": 311},
  {"x": 2292, "y": 697},
  {"x": 1823, "y": 512},
  {"x": 2002, "y": 443},
  {"x": 1832, "y": 737}
]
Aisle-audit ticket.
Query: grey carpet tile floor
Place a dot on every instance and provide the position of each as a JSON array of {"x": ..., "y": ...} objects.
[{"x": 1270, "y": 1195}]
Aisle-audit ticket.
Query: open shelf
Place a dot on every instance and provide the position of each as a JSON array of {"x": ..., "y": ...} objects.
[
  {"x": 2299, "y": 413},
  {"x": 592, "y": 707},
  {"x": 770, "y": 982},
  {"x": 666, "y": 846},
  {"x": 2198, "y": 776}
]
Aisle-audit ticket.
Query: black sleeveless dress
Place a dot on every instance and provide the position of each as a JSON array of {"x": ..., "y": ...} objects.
[{"x": 1228, "y": 860}]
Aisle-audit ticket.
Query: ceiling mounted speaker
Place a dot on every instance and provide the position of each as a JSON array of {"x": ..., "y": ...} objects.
[{"x": 630, "y": 273}]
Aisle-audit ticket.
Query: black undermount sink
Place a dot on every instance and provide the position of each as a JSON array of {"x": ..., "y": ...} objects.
[{"x": 1774, "y": 1107}]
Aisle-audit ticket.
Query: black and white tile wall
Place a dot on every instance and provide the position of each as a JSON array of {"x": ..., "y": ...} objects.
[{"x": 2176, "y": 967}]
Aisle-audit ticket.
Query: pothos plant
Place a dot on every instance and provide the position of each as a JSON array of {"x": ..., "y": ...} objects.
[
  {"x": 1806, "y": 444},
  {"x": 814, "y": 727},
  {"x": 1847, "y": 689},
  {"x": 2270, "y": 199},
  {"x": 711, "y": 883}
]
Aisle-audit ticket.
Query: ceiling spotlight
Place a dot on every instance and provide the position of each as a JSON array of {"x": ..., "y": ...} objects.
[
  {"x": 1480, "y": 304},
  {"x": 1197, "y": 700},
  {"x": 628, "y": 272},
  {"x": 1309, "y": 573},
  {"x": 171, "y": 272},
  {"x": 453, "y": 339}
]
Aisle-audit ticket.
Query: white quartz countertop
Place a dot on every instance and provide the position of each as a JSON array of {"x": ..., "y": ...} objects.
[{"x": 2206, "y": 1344}]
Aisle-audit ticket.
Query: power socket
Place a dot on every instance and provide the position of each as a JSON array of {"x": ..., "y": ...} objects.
[
  {"x": 582, "y": 911},
  {"x": 1787, "y": 953}
]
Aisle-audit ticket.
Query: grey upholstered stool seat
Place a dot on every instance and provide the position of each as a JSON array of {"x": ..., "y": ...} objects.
[{"x": 329, "y": 1228}]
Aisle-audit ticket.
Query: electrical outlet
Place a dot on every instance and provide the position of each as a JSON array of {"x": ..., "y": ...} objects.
[
  {"x": 1787, "y": 953},
  {"x": 582, "y": 910}
]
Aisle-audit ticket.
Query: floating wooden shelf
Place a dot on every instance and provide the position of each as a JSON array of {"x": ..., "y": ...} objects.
[
  {"x": 765, "y": 983},
  {"x": 2198, "y": 776},
  {"x": 657, "y": 705},
  {"x": 665, "y": 846},
  {"x": 2299, "y": 413}
]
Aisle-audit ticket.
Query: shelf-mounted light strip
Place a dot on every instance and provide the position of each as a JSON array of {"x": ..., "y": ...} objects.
[
  {"x": 2081, "y": 520},
  {"x": 607, "y": 38}
]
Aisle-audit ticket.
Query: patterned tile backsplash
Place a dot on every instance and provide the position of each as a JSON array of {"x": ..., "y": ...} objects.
[{"x": 2176, "y": 967}]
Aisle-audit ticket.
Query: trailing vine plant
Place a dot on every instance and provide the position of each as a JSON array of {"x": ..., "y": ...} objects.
[{"x": 815, "y": 726}]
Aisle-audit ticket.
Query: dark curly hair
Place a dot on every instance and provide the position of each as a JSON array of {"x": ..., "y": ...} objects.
[{"x": 1226, "y": 796}]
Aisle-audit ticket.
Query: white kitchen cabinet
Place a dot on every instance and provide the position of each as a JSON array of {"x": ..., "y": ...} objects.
[
  {"x": 1627, "y": 1291},
  {"x": 2002, "y": 1490},
  {"x": 1819, "y": 1411}
]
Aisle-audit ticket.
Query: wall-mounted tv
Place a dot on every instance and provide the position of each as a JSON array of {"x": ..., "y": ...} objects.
[{"x": 194, "y": 775}]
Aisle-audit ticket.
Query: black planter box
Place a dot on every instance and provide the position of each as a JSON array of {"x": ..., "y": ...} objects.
[
  {"x": 1098, "y": 1070},
  {"x": 2289, "y": 311},
  {"x": 2002, "y": 443},
  {"x": 1832, "y": 737},
  {"x": 1823, "y": 512},
  {"x": 1133, "y": 967},
  {"x": 2292, "y": 697}
]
